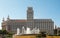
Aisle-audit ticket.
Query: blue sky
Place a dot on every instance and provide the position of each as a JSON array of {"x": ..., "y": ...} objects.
[{"x": 43, "y": 9}]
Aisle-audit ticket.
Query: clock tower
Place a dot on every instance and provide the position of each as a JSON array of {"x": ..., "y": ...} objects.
[{"x": 30, "y": 13}]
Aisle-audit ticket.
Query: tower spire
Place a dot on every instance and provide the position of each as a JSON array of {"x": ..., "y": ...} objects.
[
  {"x": 8, "y": 17},
  {"x": 3, "y": 19}
]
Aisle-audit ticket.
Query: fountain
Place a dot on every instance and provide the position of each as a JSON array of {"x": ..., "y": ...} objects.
[
  {"x": 38, "y": 30},
  {"x": 18, "y": 31},
  {"x": 28, "y": 31},
  {"x": 23, "y": 30}
]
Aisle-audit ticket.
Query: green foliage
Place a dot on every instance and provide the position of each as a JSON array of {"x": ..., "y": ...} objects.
[
  {"x": 38, "y": 36},
  {"x": 0, "y": 31},
  {"x": 6, "y": 34},
  {"x": 55, "y": 32},
  {"x": 42, "y": 34},
  {"x": 3, "y": 32}
]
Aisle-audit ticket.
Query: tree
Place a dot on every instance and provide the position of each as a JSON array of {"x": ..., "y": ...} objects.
[
  {"x": 55, "y": 32},
  {"x": 0, "y": 31},
  {"x": 59, "y": 32},
  {"x": 5, "y": 34},
  {"x": 41, "y": 34},
  {"x": 38, "y": 36}
]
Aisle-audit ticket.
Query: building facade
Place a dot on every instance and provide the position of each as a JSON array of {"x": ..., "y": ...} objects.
[{"x": 45, "y": 25}]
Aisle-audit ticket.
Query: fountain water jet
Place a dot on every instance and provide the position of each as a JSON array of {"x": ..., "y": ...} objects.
[
  {"x": 28, "y": 31},
  {"x": 18, "y": 31}
]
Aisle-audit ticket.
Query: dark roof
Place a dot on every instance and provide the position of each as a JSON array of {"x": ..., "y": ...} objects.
[{"x": 17, "y": 20}]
